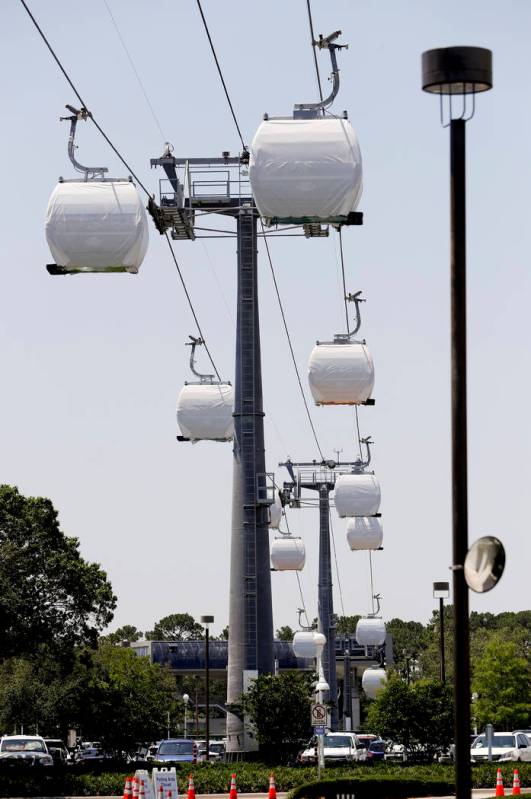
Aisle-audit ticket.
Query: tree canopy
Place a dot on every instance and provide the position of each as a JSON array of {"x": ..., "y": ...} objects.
[
  {"x": 502, "y": 680},
  {"x": 176, "y": 627},
  {"x": 49, "y": 595},
  {"x": 126, "y": 633},
  {"x": 279, "y": 708},
  {"x": 416, "y": 715},
  {"x": 109, "y": 694}
]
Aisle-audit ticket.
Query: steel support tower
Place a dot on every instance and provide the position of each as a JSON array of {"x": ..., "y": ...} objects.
[
  {"x": 215, "y": 185},
  {"x": 321, "y": 477}
]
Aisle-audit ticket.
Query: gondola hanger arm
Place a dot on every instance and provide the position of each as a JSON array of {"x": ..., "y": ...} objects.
[{"x": 89, "y": 172}]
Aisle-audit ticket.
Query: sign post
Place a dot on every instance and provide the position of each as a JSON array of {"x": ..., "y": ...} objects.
[{"x": 319, "y": 718}]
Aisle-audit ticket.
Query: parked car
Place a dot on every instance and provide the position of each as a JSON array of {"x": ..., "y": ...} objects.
[
  {"x": 27, "y": 749},
  {"x": 152, "y": 750},
  {"x": 505, "y": 746},
  {"x": 216, "y": 751},
  {"x": 177, "y": 750},
  {"x": 338, "y": 747},
  {"x": 376, "y": 751},
  {"x": 395, "y": 753},
  {"x": 366, "y": 738},
  {"x": 91, "y": 752},
  {"x": 57, "y": 748}
]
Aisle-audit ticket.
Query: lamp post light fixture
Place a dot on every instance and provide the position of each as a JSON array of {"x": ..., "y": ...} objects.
[
  {"x": 459, "y": 72},
  {"x": 206, "y": 620},
  {"x": 441, "y": 591},
  {"x": 186, "y": 699}
]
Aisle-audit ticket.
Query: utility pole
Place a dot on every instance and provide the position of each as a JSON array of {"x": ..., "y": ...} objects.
[{"x": 215, "y": 185}]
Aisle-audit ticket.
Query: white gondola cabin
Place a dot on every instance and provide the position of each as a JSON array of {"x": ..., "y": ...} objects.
[
  {"x": 305, "y": 170},
  {"x": 357, "y": 494},
  {"x": 341, "y": 373},
  {"x": 95, "y": 224},
  {"x": 370, "y": 631},
  {"x": 204, "y": 411},
  {"x": 364, "y": 533},
  {"x": 372, "y": 681},
  {"x": 205, "y": 408},
  {"x": 308, "y": 644},
  {"x": 288, "y": 553}
]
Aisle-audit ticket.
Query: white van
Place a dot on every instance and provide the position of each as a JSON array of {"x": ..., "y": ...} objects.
[{"x": 339, "y": 747}]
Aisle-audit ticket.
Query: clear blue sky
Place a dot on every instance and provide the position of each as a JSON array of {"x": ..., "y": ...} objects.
[{"x": 92, "y": 366}]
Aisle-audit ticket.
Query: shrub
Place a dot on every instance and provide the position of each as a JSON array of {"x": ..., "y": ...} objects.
[{"x": 254, "y": 778}]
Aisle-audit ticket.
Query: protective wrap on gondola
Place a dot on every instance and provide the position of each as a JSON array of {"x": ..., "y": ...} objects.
[
  {"x": 306, "y": 168},
  {"x": 97, "y": 226},
  {"x": 341, "y": 374},
  {"x": 204, "y": 411}
]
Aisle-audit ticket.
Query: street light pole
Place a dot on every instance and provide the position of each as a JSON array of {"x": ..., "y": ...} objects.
[
  {"x": 186, "y": 699},
  {"x": 441, "y": 642},
  {"x": 206, "y": 620},
  {"x": 449, "y": 72},
  {"x": 441, "y": 591}
]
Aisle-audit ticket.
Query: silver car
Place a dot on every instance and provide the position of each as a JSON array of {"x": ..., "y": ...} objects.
[{"x": 506, "y": 746}]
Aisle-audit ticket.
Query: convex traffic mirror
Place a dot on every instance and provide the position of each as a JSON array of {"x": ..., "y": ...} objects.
[{"x": 484, "y": 564}]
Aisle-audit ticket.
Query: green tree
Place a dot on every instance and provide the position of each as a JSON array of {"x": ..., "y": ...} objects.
[
  {"x": 224, "y": 634},
  {"x": 110, "y": 694},
  {"x": 48, "y": 593},
  {"x": 279, "y": 708},
  {"x": 176, "y": 627},
  {"x": 126, "y": 699},
  {"x": 410, "y": 639},
  {"x": 346, "y": 625},
  {"x": 392, "y": 711},
  {"x": 285, "y": 633},
  {"x": 126, "y": 633},
  {"x": 432, "y": 726},
  {"x": 416, "y": 715},
  {"x": 502, "y": 678}
]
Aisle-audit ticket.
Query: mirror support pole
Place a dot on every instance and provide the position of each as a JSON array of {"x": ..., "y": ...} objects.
[{"x": 463, "y": 782}]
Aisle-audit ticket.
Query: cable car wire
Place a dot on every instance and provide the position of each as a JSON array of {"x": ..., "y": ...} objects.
[
  {"x": 343, "y": 278},
  {"x": 220, "y": 73},
  {"x": 337, "y": 566},
  {"x": 122, "y": 159},
  {"x": 196, "y": 320},
  {"x": 298, "y": 576},
  {"x": 133, "y": 67},
  {"x": 310, "y": 20},
  {"x": 72, "y": 86}
]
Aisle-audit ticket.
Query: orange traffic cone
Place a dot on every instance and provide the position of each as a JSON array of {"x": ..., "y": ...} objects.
[
  {"x": 128, "y": 788},
  {"x": 161, "y": 792},
  {"x": 233, "y": 793},
  {"x": 499, "y": 784},
  {"x": 272, "y": 787},
  {"x": 516, "y": 783},
  {"x": 169, "y": 794},
  {"x": 135, "y": 787},
  {"x": 191, "y": 788}
]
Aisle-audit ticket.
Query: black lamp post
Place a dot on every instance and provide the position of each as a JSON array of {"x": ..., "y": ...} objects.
[
  {"x": 459, "y": 72},
  {"x": 441, "y": 591},
  {"x": 206, "y": 620}
]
